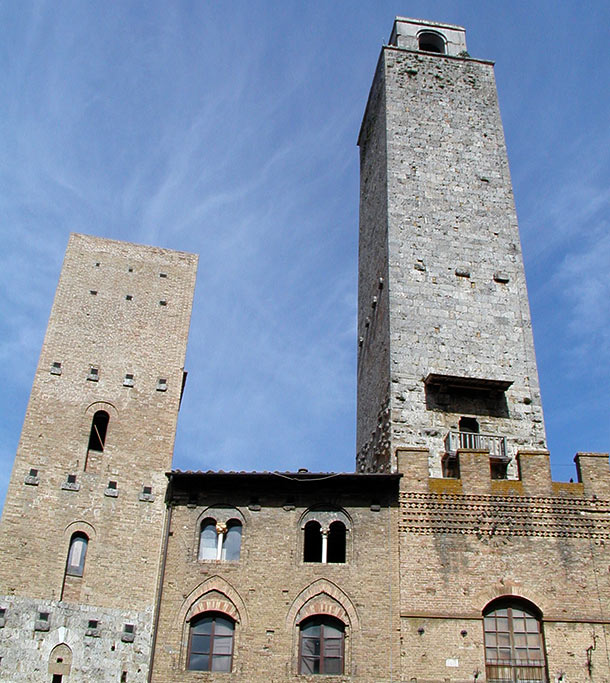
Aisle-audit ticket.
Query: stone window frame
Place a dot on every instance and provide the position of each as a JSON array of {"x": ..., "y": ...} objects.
[
  {"x": 222, "y": 515},
  {"x": 325, "y": 515}
]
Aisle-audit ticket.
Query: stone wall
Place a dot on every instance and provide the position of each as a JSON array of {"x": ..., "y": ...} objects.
[
  {"x": 106, "y": 652},
  {"x": 444, "y": 226},
  {"x": 373, "y": 434}
]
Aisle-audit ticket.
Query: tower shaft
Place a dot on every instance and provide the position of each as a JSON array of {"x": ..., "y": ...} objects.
[{"x": 445, "y": 341}]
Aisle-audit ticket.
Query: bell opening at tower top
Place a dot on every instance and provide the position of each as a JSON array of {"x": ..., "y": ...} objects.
[
  {"x": 428, "y": 36},
  {"x": 430, "y": 41}
]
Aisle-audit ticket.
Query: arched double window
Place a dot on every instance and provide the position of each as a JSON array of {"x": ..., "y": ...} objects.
[
  {"x": 514, "y": 648},
  {"x": 211, "y": 637},
  {"x": 77, "y": 554},
  {"x": 321, "y": 645},
  {"x": 220, "y": 540},
  {"x": 325, "y": 536}
]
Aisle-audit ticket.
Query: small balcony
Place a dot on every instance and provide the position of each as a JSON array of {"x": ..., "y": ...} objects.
[{"x": 474, "y": 441}]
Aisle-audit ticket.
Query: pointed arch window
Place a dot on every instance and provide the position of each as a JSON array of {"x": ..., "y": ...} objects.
[
  {"x": 99, "y": 427},
  {"x": 321, "y": 646},
  {"x": 77, "y": 554},
  {"x": 514, "y": 649},
  {"x": 211, "y": 642}
]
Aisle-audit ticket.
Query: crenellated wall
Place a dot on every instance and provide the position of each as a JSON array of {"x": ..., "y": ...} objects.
[{"x": 465, "y": 542}]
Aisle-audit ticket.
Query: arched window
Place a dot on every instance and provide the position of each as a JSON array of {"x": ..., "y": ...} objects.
[
  {"x": 231, "y": 542},
  {"x": 324, "y": 543},
  {"x": 208, "y": 540},
  {"x": 211, "y": 642},
  {"x": 77, "y": 554},
  {"x": 99, "y": 427},
  {"x": 321, "y": 646},
  {"x": 312, "y": 544},
  {"x": 429, "y": 41},
  {"x": 513, "y": 643},
  {"x": 220, "y": 541},
  {"x": 336, "y": 542}
]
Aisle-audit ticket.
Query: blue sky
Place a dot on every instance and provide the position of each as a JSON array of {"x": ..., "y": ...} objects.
[{"x": 229, "y": 129}]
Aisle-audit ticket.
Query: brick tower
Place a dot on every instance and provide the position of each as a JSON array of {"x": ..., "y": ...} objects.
[
  {"x": 446, "y": 357},
  {"x": 82, "y": 527}
]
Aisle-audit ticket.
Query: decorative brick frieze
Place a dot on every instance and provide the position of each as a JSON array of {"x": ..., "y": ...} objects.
[{"x": 432, "y": 513}]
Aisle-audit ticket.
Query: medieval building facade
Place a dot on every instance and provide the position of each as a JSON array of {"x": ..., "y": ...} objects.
[{"x": 450, "y": 555}]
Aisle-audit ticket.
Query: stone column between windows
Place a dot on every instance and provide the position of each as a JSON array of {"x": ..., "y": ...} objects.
[
  {"x": 221, "y": 530},
  {"x": 324, "y": 532}
]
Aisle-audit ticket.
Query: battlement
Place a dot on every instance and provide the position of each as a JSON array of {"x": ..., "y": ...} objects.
[{"x": 474, "y": 474}]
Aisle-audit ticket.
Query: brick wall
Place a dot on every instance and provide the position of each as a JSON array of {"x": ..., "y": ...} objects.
[
  {"x": 270, "y": 586},
  {"x": 106, "y": 315}
]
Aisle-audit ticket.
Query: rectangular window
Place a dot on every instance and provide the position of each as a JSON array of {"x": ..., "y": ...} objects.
[
  {"x": 42, "y": 623},
  {"x": 128, "y": 635}
]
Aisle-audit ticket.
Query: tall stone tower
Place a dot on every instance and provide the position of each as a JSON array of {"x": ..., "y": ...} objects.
[
  {"x": 82, "y": 527},
  {"x": 446, "y": 357}
]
